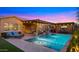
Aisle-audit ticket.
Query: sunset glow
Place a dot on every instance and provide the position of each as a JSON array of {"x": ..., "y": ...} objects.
[{"x": 50, "y": 14}]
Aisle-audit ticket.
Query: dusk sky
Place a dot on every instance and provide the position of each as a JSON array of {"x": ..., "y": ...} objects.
[{"x": 51, "y": 14}]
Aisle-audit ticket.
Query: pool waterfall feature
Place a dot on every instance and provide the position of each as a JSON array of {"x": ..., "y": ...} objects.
[{"x": 45, "y": 30}]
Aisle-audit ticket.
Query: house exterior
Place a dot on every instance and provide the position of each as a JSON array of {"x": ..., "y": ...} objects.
[
  {"x": 29, "y": 26},
  {"x": 11, "y": 23},
  {"x": 67, "y": 27},
  {"x": 36, "y": 26}
]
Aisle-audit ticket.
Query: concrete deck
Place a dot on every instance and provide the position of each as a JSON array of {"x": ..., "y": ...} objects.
[{"x": 28, "y": 46}]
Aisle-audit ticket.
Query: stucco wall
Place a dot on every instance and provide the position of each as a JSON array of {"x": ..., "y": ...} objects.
[{"x": 10, "y": 20}]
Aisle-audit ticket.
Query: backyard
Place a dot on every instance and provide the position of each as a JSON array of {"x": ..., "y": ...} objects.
[{"x": 7, "y": 47}]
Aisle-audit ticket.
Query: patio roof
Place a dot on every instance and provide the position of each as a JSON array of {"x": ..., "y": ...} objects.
[
  {"x": 66, "y": 23},
  {"x": 39, "y": 21}
]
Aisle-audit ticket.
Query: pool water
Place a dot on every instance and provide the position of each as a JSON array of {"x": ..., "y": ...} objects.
[{"x": 53, "y": 41}]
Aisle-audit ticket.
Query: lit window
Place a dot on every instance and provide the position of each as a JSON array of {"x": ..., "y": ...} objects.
[
  {"x": 16, "y": 27},
  {"x": 6, "y": 26},
  {"x": 11, "y": 27},
  {"x": 63, "y": 26},
  {"x": 30, "y": 22}
]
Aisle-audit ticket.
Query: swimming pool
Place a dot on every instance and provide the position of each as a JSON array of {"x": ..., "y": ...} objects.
[{"x": 53, "y": 41}]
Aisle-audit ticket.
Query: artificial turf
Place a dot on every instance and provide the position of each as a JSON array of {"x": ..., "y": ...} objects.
[{"x": 7, "y": 47}]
